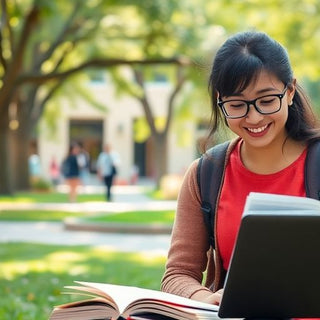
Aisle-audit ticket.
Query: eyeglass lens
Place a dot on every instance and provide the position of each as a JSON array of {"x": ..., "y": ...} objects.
[{"x": 265, "y": 105}]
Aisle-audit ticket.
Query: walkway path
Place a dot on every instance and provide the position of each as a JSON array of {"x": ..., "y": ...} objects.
[
  {"x": 54, "y": 233},
  {"x": 125, "y": 198}
]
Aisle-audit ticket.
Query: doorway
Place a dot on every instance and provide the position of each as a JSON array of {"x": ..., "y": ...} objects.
[{"x": 89, "y": 134}]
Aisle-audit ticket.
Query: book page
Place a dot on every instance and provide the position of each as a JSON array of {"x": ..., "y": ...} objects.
[
  {"x": 93, "y": 292},
  {"x": 269, "y": 202},
  {"x": 304, "y": 213},
  {"x": 125, "y": 295}
]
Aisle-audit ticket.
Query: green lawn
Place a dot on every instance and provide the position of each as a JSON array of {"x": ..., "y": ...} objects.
[
  {"x": 144, "y": 217},
  {"x": 37, "y": 215},
  {"x": 48, "y": 197},
  {"x": 32, "y": 276},
  {"x": 163, "y": 217}
]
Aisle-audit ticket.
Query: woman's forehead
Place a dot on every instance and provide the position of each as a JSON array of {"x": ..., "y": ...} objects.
[{"x": 262, "y": 81}]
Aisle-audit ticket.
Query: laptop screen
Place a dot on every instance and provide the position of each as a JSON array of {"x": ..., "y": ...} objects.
[{"x": 275, "y": 266}]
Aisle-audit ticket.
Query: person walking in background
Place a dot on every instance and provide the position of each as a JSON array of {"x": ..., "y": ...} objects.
[
  {"x": 54, "y": 171},
  {"x": 84, "y": 163},
  {"x": 107, "y": 167},
  {"x": 34, "y": 167},
  {"x": 71, "y": 171}
]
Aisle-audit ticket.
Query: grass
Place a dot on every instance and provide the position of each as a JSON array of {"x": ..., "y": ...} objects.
[
  {"x": 144, "y": 217},
  {"x": 155, "y": 194},
  {"x": 32, "y": 276},
  {"x": 37, "y": 215},
  {"x": 165, "y": 217},
  {"x": 48, "y": 197}
]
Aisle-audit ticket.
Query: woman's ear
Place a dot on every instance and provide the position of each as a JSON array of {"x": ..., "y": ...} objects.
[
  {"x": 291, "y": 91},
  {"x": 216, "y": 95}
]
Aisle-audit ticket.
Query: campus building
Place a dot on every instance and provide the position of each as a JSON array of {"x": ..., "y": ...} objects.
[{"x": 80, "y": 121}]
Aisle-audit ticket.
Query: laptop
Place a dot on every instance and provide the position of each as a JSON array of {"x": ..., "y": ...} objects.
[{"x": 275, "y": 266}]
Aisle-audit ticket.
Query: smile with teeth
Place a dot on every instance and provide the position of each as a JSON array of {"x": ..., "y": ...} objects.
[{"x": 257, "y": 130}]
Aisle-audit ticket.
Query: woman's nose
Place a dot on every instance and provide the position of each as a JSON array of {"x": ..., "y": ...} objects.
[{"x": 253, "y": 115}]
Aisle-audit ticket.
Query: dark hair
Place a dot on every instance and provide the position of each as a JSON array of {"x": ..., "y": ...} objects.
[
  {"x": 239, "y": 61},
  {"x": 72, "y": 146}
]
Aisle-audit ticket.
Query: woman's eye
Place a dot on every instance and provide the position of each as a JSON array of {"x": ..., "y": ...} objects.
[
  {"x": 237, "y": 104},
  {"x": 267, "y": 101}
]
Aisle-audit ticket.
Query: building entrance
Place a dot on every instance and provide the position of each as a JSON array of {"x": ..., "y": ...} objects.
[{"x": 89, "y": 134}]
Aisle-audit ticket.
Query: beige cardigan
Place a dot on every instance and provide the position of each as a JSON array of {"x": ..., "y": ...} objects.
[{"x": 189, "y": 255}]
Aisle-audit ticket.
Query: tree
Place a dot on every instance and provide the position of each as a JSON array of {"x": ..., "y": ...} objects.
[
  {"x": 34, "y": 63},
  {"x": 162, "y": 32},
  {"x": 44, "y": 43},
  {"x": 159, "y": 136}
]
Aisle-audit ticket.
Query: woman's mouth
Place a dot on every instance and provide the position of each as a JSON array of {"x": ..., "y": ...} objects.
[{"x": 257, "y": 130}]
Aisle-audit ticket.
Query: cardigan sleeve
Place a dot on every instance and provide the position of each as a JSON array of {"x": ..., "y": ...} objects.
[{"x": 188, "y": 253}]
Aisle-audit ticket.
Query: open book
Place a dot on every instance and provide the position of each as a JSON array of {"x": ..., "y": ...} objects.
[
  {"x": 261, "y": 203},
  {"x": 109, "y": 301}
]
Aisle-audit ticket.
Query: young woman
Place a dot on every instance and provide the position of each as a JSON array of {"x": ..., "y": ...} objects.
[
  {"x": 254, "y": 92},
  {"x": 72, "y": 171}
]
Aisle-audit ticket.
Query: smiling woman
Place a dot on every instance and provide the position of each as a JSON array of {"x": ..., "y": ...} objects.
[
  {"x": 262, "y": 125},
  {"x": 254, "y": 92}
]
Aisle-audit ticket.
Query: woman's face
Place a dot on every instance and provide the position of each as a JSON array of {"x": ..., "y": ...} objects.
[
  {"x": 75, "y": 149},
  {"x": 258, "y": 130}
]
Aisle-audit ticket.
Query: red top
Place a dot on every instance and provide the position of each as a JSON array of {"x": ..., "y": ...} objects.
[{"x": 238, "y": 183}]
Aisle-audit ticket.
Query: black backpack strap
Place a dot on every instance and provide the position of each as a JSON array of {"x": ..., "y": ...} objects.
[
  {"x": 312, "y": 171},
  {"x": 209, "y": 176}
]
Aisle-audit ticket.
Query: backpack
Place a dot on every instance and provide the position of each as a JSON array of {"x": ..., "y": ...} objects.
[
  {"x": 65, "y": 167},
  {"x": 212, "y": 164}
]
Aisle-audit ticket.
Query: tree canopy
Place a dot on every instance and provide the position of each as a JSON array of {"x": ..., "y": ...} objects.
[{"x": 45, "y": 43}]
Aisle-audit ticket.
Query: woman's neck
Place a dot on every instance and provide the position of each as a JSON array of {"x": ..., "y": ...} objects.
[{"x": 271, "y": 159}]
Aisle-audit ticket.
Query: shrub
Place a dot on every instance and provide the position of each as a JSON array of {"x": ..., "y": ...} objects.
[
  {"x": 40, "y": 184},
  {"x": 170, "y": 185}
]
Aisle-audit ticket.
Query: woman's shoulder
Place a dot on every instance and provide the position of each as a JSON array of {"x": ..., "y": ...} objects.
[
  {"x": 190, "y": 175},
  {"x": 227, "y": 145}
]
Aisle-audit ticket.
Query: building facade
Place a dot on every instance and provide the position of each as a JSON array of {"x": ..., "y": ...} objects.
[{"x": 93, "y": 127}]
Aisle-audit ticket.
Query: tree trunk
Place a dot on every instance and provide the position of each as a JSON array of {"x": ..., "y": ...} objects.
[
  {"x": 26, "y": 102},
  {"x": 21, "y": 141},
  {"x": 6, "y": 182},
  {"x": 161, "y": 156}
]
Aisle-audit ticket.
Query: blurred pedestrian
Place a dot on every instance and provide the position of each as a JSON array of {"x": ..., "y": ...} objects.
[
  {"x": 71, "y": 171},
  {"x": 84, "y": 163},
  {"x": 34, "y": 167},
  {"x": 54, "y": 171},
  {"x": 107, "y": 168}
]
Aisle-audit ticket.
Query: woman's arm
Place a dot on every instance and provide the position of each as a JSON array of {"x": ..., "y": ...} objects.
[{"x": 187, "y": 259}]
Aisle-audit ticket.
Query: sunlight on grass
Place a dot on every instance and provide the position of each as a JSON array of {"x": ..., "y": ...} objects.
[
  {"x": 7, "y": 199},
  {"x": 37, "y": 215},
  {"x": 60, "y": 261},
  {"x": 33, "y": 276},
  {"x": 55, "y": 262},
  {"x": 156, "y": 194},
  {"x": 48, "y": 197},
  {"x": 163, "y": 216}
]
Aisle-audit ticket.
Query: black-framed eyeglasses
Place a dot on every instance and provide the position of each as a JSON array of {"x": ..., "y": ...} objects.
[{"x": 234, "y": 109}]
